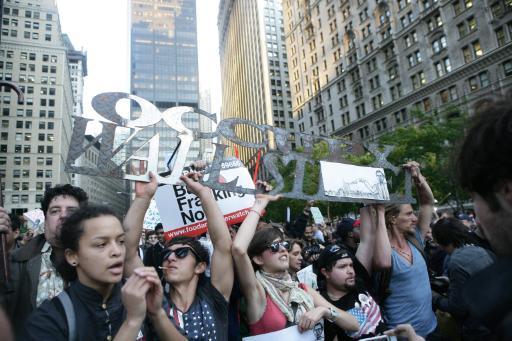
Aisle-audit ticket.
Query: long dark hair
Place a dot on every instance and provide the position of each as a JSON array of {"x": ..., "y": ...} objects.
[{"x": 71, "y": 232}]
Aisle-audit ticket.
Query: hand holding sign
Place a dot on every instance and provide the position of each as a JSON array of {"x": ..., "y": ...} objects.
[
  {"x": 262, "y": 198},
  {"x": 191, "y": 180},
  {"x": 145, "y": 190}
]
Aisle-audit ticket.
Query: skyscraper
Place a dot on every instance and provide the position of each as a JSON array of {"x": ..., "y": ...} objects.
[
  {"x": 254, "y": 68},
  {"x": 359, "y": 67},
  {"x": 34, "y": 136},
  {"x": 164, "y": 65}
]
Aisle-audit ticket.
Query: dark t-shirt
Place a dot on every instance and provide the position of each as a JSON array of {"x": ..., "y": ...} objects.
[
  {"x": 207, "y": 317},
  {"x": 360, "y": 304}
]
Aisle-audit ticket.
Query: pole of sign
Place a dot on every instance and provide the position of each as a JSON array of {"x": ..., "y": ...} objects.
[
  {"x": 21, "y": 98},
  {"x": 4, "y": 244}
]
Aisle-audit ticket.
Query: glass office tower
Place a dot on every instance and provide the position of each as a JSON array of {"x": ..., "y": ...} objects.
[{"x": 164, "y": 65}]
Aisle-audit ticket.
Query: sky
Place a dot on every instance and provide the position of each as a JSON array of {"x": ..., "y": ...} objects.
[{"x": 101, "y": 28}]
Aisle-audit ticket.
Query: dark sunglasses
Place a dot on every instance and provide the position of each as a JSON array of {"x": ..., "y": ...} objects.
[
  {"x": 180, "y": 252},
  {"x": 274, "y": 247}
]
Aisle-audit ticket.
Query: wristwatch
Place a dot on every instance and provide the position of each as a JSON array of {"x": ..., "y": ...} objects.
[{"x": 334, "y": 314}]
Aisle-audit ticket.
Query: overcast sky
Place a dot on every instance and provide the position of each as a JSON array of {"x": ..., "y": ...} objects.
[{"x": 102, "y": 29}]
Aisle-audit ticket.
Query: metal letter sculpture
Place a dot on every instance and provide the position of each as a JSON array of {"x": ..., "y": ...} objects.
[{"x": 105, "y": 105}]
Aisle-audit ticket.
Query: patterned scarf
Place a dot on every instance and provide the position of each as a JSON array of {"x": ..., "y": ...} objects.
[{"x": 274, "y": 285}]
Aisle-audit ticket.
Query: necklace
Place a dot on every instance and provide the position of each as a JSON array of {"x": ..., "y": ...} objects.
[{"x": 404, "y": 254}]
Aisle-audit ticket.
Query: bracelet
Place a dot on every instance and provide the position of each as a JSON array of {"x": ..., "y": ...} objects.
[{"x": 258, "y": 213}]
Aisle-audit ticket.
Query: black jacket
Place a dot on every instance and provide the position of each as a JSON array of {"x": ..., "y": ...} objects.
[{"x": 94, "y": 321}]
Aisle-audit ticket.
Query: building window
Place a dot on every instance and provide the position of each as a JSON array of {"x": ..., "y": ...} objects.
[
  {"x": 480, "y": 81},
  {"x": 472, "y": 25},
  {"x": 418, "y": 80},
  {"x": 477, "y": 50},
  {"x": 377, "y": 102},
  {"x": 461, "y": 5},
  {"x": 439, "y": 44},
  {"x": 500, "y": 36},
  {"x": 507, "y": 67}
]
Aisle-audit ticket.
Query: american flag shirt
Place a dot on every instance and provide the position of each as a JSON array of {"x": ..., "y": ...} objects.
[
  {"x": 207, "y": 317},
  {"x": 360, "y": 304}
]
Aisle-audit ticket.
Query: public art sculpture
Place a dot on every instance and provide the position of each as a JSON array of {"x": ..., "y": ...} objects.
[{"x": 275, "y": 144}]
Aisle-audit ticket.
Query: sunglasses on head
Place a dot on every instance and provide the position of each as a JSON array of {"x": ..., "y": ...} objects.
[
  {"x": 180, "y": 252},
  {"x": 335, "y": 249},
  {"x": 274, "y": 247}
]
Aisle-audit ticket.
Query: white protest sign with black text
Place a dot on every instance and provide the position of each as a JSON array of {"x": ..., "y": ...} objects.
[{"x": 181, "y": 212}]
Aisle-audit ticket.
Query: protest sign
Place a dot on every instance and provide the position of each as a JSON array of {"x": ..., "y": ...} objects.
[
  {"x": 291, "y": 333},
  {"x": 307, "y": 276},
  {"x": 36, "y": 220},
  {"x": 152, "y": 217},
  {"x": 317, "y": 216},
  {"x": 181, "y": 211},
  {"x": 354, "y": 181}
]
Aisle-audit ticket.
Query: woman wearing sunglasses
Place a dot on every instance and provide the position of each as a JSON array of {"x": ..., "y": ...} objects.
[
  {"x": 196, "y": 304},
  {"x": 274, "y": 300}
]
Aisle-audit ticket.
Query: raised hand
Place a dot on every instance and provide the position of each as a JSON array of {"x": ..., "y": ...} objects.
[
  {"x": 425, "y": 195},
  {"x": 133, "y": 295},
  {"x": 414, "y": 168},
  {"x": 145, "y": 190},
  {"x": 155, "y": 293},
  {"x": 191, "y": 180},
  {"x": 262, "y": 197}
]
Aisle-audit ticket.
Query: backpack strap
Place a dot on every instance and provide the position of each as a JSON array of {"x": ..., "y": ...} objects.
[{"x": 69, "y": 310}]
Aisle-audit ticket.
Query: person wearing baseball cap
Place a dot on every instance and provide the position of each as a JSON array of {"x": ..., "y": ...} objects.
[{"x": 344, "y": 278}]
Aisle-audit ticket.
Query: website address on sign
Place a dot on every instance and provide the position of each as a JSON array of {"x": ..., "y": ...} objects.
[{"x": 201, "y": 227}]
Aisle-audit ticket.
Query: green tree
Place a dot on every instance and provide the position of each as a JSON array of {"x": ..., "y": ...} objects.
[{"x": 432, "y": 140}]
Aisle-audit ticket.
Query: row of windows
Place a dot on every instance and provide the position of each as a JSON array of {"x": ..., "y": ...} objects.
[
  {"x": 23, "y": 78},
  {"x": 26, "y": 113},
  {"x": 474, "y": 83},
  {"x": 27, "y": 137},
  {"x": 24, "y": 198},
  {"x": 30, "y": 101},
  {"x": 25, "y": 186},
  {"x": 26, "y": 13},
  {"x": 28, "y": 24},
  {"x": 26, "y": 34},
  {"x": 26, "y": 149},
  {"x": 29, "y": 56},
  {"x": 17, "y": 160}
]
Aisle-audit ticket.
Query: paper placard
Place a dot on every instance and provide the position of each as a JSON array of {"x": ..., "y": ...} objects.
[
  {"x": 341, "y": 180},
  {"x": 181, "y": 212},
  {"x": 152, "y": 216},
  {"x": 317, "y": 215},
  {"x": 308, "y": 277},
  {"x": 36, "y": 220},
  {"x": 291, "y": 334}
]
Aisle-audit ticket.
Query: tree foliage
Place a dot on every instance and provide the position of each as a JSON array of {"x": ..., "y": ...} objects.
[{"x": 431, "y": 140}]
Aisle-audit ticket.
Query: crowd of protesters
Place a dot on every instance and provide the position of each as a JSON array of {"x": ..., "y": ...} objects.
[{"x": 392, "y": 270}]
